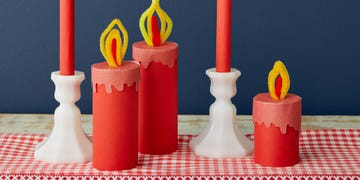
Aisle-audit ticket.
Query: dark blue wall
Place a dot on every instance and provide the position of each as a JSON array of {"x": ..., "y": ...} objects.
[{"x": 319, "y": 41}]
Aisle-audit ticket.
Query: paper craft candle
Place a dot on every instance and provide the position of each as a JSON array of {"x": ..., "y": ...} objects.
[
  {"x": 67, "y": 37},
  {"x": 223, "y": 35},
  {"x": 158, "y": 96},
  {"x": 115, "y": 103},
  {"x": 277, "y": 121}
]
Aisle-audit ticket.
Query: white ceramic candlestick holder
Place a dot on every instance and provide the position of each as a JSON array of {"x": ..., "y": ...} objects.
[
  {"x": 222, "y": 138},
  {"x": 67, "y": 143}
]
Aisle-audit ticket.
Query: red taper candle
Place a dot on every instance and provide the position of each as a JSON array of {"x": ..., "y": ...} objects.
[
  {"x": 67, "y": 37},
  {"x": 223, "y": 35}
]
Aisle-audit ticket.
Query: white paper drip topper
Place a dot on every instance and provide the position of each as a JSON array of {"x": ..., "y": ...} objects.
[
  {"x": 166, "y": 54},
  {"x": 282, "y": 113},
  {"x": 126, "y": 75}
]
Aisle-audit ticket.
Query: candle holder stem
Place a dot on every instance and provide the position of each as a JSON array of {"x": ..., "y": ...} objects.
[
  {"x": 67, "y": 143},
  {"x": 222, "y": 138}
]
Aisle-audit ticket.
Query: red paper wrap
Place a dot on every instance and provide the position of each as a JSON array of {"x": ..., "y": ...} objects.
[
  {"x": 158, "y": 97},
  {"x": 115, "y": 116},
  {"x": 277, "y": 129}
]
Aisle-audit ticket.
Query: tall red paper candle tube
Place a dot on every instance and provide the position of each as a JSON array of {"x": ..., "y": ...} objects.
[
  {"x": 158, "y": 97},
  {"x": 115, "y": 116},
  {"x": 223, "y": 35},
  {"x": 277, "y": 126},
  {"x": 67, "y": 37}
]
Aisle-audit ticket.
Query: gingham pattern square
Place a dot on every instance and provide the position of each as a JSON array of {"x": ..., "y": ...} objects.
[{"x": 325, "y": 154}]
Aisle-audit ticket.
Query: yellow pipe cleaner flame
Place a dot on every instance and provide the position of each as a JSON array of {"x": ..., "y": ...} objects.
[
  {"x": 113, "y": 32},
  {"x": 165, "y": 23},
  {"x": 279, "y": 69}
]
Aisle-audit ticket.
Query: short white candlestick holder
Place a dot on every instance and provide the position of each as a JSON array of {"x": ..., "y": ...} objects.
[
  {"x": 222, "y": 138},
  {"x": 67, "y": 143}
]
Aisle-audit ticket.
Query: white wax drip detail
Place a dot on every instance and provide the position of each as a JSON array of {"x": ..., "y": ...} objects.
[
  {"x": 127, "y": 74},
  {"x": 280, "y": 113},
  {"x": 67, "y": 143},
  {"x": 169, "y": 62},
  {"x": 222, "y": 138},
  {"x": 167, "y": 54},
  {"x": 283, "y": 129}
]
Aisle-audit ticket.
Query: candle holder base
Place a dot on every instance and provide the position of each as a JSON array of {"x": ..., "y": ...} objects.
[
  {"x": 67, "y": 143},
  {"x": 222, "y": 138}
]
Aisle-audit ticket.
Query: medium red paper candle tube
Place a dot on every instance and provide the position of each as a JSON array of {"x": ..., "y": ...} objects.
[
  {"x": 277, "y": 129},
  {"x": 115, "y": 116},
  {"x": 158, "y": 97}
]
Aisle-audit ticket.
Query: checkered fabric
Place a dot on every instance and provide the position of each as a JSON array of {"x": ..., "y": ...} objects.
[{"x": 325, "y": 154}]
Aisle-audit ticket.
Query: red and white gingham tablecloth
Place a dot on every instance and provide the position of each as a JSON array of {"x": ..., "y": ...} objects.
[{"x": 325, "y": 154}]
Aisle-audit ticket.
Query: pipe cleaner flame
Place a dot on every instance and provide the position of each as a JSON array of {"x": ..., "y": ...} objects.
[
  {"x": 151, "y": 33},
  {"x": 112, "y": 46},
  {"x": 278, "y": 81}
]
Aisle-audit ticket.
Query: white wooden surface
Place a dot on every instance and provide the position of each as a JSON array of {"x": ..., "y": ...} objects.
[{"x": 188, "y": 124}]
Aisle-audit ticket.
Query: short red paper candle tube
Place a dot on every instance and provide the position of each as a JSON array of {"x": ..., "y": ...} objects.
[
  {"x": 115, "y": 115},
  {"x": 277, "y": 129},
  {"x": 67, "y": 37},
  {"x": 158, "y": 97}
]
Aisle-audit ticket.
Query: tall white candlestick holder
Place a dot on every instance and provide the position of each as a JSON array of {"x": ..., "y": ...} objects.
[
  {"x": 67, "y": 143},
  {"x": 222, "y": 138}
]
